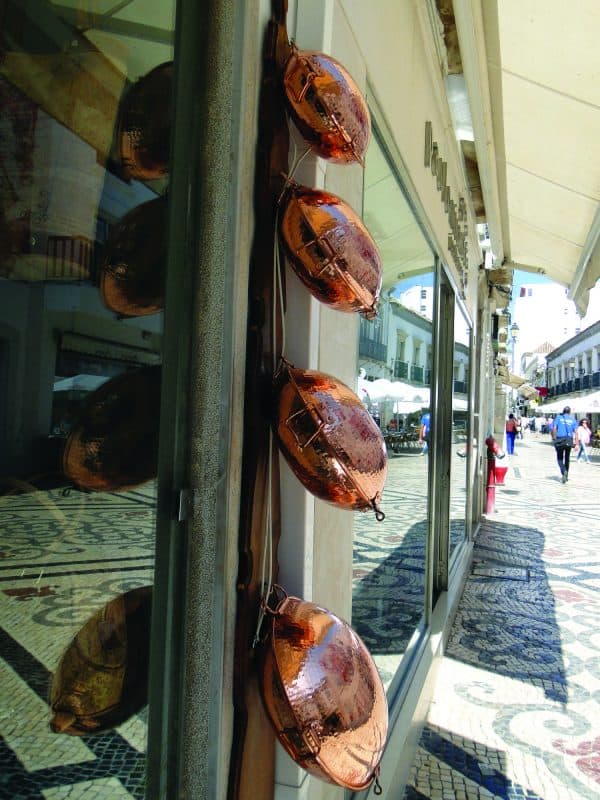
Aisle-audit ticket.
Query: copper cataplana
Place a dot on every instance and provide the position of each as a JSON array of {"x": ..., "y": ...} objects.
[
  {"x": 323, "y": 694},
  {"x": 329, "y": 439},
  {"x": 114, "y": 444},
  {"x": 327, "y": 106},
  {"x": 132, "y": 274},
  {"x": 331, "y": 250},
  {"x": 144, "y": 125}
]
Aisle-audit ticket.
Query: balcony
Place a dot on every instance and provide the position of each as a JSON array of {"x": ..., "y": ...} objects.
[
  {"x": 416, "y": 374},
  {"x": 369, "y": 348},
  {"x": 69, "y": 258},
  {"x": 400, "y": 369}
]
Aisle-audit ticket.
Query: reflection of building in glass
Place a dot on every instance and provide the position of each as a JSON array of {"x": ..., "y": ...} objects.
[
  {"x": 50, "y": 306},
  {"x": 397, "y": 345},
  {"x": 418, "y": 298}
]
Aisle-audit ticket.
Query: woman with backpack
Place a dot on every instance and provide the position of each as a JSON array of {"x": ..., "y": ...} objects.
[
  {"x": 511, "y": 432},
  {"x": 562, "y": 430}
]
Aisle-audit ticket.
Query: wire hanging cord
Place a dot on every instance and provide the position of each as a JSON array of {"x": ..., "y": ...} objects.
[
  {"x": 277, "y": 314},
  {"x": 278, "y": 309}
]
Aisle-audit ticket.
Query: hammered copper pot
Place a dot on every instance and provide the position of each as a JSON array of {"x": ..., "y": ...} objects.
[
  {"x": 132, "y": 273},
  {"x": 331, "y": 250},
  {"x": 323, "y": 694},
  {"x": 102, "y": 677},
  {"x": 144, "y": 125},
  {"x": 113, "y": 446},
  {"x": 329, "y": 439},
  {"x": 327, "y": 106}
]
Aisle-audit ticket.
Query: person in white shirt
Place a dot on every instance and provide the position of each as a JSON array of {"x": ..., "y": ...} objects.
[{"x": 583, "y": 434}]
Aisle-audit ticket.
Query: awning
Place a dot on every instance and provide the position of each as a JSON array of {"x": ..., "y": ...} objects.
[
  {"x": 528, "y": 391},
  {"x": 513, "y": 381},
  {"x": 106, "y": 349},
  {"x": 81, "y": 383},
  {"x": 522, "y": 385},
  {"x": 579, "y": 404},
  {"x": 531, "y": 71}
]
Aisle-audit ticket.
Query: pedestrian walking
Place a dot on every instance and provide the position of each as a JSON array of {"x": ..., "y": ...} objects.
[
  {"x": 562, "y": 431},
  {"x": 583, "y": 435},
  {"x": 424, "y": 432},
  {"x": 511, "y": 432}
]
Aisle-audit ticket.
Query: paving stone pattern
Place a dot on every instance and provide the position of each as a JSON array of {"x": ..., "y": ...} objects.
[
  {"x": 516, "y": 711},
  {"x": 63, "y": 555}
]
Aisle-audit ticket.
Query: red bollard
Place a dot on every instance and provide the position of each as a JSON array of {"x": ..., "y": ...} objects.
[
  {"x": 493, "y": 450},
  {"x": 500, "y": 474}
]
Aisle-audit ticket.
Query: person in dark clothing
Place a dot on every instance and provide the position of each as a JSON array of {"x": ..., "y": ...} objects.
[{"x": 562, "y": 429}]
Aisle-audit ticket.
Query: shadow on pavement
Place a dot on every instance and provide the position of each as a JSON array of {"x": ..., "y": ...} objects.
[
  {"x": 506, "y": 618},
  {"x": 473, "y": 766}
]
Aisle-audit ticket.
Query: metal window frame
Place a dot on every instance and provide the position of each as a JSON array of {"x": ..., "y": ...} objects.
[{"x": 198, "y": 473}]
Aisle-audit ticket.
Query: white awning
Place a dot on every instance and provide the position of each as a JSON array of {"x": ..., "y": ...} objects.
[{"x": 532, "y": 74}]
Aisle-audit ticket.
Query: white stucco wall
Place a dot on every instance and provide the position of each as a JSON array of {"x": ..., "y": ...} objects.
[{"x": 393, "y": 61}]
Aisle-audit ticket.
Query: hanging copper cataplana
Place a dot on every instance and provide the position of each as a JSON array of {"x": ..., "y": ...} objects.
[
  {"x": 331, "y": 250},
  {"x": 327, "y": 106},
  {"x": 329, "y": 439},
  {"x": 323, "y": 693}
]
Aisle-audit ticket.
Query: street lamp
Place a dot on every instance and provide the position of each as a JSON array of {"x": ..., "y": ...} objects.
[{"x": 514, "y": 330}]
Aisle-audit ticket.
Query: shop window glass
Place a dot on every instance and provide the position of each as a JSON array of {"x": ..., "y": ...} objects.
[
  {"x": 84, "y": 146},
  {"x": 394, "y": 383},
  {"x": 459, "y": 457}
]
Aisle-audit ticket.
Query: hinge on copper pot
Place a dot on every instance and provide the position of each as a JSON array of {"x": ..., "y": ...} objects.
[
  {"x": 304, "y": 744},
  {"x": 311, "y": 738}
]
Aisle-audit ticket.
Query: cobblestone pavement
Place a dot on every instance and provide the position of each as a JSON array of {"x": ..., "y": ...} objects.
[
  {"x": 516, "y": 712},
  {"x": 63, "y": 556}
]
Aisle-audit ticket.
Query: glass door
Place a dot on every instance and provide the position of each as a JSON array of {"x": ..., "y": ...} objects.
[
  {"x": 85, "y": 118},
  {"x": 394, "y": 381},
  {"x": 461, "y": 454}
]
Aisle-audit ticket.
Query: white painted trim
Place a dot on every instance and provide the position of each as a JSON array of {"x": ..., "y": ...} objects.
[{"x": 471, "y": 39}]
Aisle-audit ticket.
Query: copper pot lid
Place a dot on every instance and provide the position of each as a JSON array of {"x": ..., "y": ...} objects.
[
  {"x": 144, "y": 126},
  {"x": 327, "y": 106},
  {"x": 114, "y": 444},
  {"x": 133, "y": 270},
  {"x": 323, "y": 694},
  {"x": 102, "y": 677},
  {"x": 331, "y": 250},
  {"x": 329, "y": 439}
]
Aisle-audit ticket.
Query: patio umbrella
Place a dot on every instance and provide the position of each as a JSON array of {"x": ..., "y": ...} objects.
[
  {"x": 404, "y": 407},
  {"x": 398, "y": 391},
  {"x": 585, "y": 403}
]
